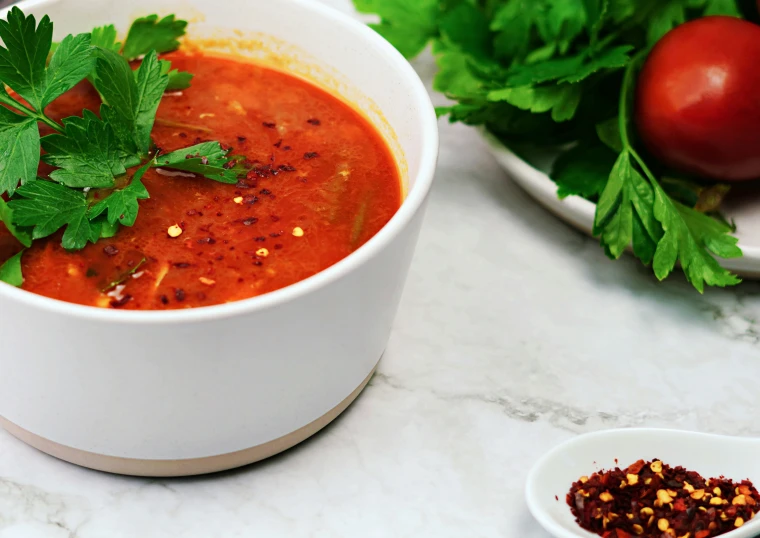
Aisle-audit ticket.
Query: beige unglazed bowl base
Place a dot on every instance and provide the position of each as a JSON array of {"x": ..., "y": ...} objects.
[{"x": 187, "y": 467}]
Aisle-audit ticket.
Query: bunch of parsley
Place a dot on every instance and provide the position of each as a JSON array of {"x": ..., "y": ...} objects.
[
  {"x": 91, "y": 153},
  {"x": 562, "y": 73}
]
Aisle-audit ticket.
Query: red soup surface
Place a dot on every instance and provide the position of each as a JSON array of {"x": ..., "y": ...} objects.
[{"x": 323, "y": 183}]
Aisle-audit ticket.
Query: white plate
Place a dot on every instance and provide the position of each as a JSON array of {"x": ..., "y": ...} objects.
[{"x": 579, "y": 212}]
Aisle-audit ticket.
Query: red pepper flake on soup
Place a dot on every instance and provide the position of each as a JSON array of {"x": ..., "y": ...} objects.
[
  {"x": 654, "y": 500},
  {"x": 189, "y": 217}
]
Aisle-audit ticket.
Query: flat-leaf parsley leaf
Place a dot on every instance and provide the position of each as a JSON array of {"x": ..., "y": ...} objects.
[
  {"x": 121, "y": 204},
  {"x": 19, "y": 150},
  {"x": 131, "y": 99},
  {"x": 86, "y": 153},
  {"x": 10, "y": 271},
  {"x": 408, "y": 25},
  {"x": 48, "y": 207},
  {"x": 151, "y": 33},
  {"x": 207, "y": 159}
]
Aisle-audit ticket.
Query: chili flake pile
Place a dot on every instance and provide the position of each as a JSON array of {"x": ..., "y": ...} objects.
[{"x": 652, "y": 499}]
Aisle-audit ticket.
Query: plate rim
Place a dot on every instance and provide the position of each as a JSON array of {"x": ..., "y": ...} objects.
[{"x": 579, "y": 212}]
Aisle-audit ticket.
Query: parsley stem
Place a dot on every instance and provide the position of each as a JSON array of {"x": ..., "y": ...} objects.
[
  {"x": 650, "y": 176},
  {"x": 10, "y": 101},
  {"x": 625, "y": 99},
  {"x": 20, "y": 107},
  {"x": 50, "y": 123},
  {"x": 623, "y": 114},
  {"x": 123, "y": 277},
  {"x": 600, "y": 45}
]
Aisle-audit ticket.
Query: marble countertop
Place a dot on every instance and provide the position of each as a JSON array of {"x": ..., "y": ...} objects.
[{"x": 514, "y": 334}]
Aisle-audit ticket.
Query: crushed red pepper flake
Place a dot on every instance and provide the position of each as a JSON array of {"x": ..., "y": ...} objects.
[
  {"x": 654, "y": 500},
  {"x": 260, "y": 171},
  {"x": 310, "y": 155},
  {"x": 110, "y": 250}
]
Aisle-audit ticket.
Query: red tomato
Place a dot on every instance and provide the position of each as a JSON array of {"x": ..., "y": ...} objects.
[{"x": 698, "y": 99}]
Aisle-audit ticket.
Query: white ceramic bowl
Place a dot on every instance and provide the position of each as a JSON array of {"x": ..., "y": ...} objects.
[{"x": 201, "y": 390}]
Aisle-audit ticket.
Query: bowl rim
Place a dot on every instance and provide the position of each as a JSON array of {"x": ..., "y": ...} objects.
[{"x": 400, "y": 220}]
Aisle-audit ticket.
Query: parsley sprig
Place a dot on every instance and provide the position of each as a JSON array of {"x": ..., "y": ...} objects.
[
  {"x": 633, "y": 208},
  {"x": 145, "y": 35},
  {"x": 561, "y": 72},
  {"x": 92, "y": 152}
]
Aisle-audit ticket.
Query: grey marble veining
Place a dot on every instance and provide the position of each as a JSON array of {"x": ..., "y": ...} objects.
[{"x": 515, "y": 333}]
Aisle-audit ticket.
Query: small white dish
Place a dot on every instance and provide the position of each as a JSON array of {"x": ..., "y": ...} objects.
[
  {"x": 579, "y": 212},
  {"x": 710, "y": 455}
]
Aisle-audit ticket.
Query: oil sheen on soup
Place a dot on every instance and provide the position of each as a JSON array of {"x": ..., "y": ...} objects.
[{"x": 322, "y": 182}]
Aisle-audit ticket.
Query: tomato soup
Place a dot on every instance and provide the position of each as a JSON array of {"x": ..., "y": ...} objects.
[{"x": 321, "y": 182}]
